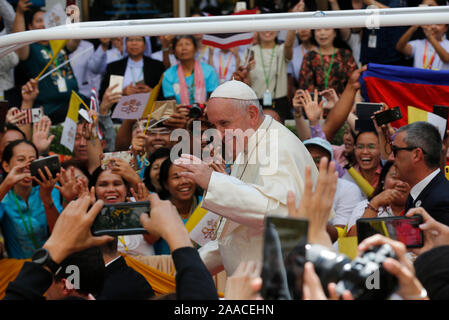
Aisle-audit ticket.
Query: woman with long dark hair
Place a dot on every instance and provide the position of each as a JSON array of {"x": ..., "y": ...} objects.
[
  {"x": 388, "y": 199},
  {"x": 329, "y": 66},
  {"x": 27, "y": 211}
]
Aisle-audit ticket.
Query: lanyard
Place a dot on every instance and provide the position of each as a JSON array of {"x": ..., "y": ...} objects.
[
  {"x": 427, "y": 64},
  {"x": 221, "y": 74},
  {"x": 267, "y": 77},
  {"x": 56, "y": 62},
  {"x": 138, "y": 77},
  {"x": 29, "y": 226},
  {"x": 326, "y": 74},
  {"x": 122, "y": 240}
]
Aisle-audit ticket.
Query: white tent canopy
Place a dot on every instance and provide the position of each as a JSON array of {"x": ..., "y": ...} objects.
[{"x": 371, "y": 18}]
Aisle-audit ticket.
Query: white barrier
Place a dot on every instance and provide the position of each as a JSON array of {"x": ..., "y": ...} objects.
[{"x": 370, "y": 18}]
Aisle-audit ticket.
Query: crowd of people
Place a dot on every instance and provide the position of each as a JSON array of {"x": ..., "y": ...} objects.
[{"x": 308, "y": 76}]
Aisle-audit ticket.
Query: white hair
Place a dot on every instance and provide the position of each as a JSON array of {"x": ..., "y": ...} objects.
[{"x": 244, "y": 104}]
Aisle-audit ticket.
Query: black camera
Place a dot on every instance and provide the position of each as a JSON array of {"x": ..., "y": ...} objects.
[
  {"x": 364, "y": 276},
  {"x": 196, "y": 110}
]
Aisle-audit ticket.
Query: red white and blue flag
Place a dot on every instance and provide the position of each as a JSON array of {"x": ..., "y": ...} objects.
[
  {"x": 404, "y": 87},
  {"x": 229, "y": 40}
]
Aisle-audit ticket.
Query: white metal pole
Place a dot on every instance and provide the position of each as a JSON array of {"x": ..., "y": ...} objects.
[{"x": 231, "y": 24}]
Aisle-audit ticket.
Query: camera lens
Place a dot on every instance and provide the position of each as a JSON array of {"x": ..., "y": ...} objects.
[{"x": 195, "y": 112}]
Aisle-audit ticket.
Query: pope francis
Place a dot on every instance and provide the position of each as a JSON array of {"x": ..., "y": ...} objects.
[{"x": 270, "y": 162}]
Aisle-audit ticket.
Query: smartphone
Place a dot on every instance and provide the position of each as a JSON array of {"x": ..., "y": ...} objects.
[
  {"x": 115, "y": 79},
  {"x": 3, "y": 112},
  {"x": 52, "y": 162},
  {"x": 364, "y": 110},
  {"x": 122, "y": 218},
  {"x": 32, "y": 115},
  {"x": 363, "y": 125},
  {"x": 388, "y": 116},
  {"x": 283, "y": 258},
  {"x": 403, "y": 229},
  {"x": 108, "y": 163}
]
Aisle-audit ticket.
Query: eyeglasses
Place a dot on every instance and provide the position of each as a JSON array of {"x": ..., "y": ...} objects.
[{"x": 395, "y": 149}]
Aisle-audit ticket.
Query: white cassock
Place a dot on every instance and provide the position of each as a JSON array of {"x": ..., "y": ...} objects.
[{"x": 273, "y": 164}]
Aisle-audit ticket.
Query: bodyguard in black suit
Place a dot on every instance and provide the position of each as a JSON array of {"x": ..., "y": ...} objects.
[
  {"x": 434, "y": 198},
  {"x": 152, "y": 69},
  {"x": 417, "y": 155},
  {"x": 122, "y": 282}
]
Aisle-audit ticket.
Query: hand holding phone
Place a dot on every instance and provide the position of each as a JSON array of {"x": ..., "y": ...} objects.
[
  {"x": 51, "y": 162},
  {"x": 404, "y": 229},
  {"x": 116, "y": 80},
  {"x": 388, "y": 116},
  {"x": 122, "y": 218}
]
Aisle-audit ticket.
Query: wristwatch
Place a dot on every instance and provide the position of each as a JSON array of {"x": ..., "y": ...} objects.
[{"x": 42, "y": 257}]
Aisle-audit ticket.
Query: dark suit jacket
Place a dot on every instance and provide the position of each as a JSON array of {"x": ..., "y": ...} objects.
[
  {"x": 30, "y": 284},
  {"x": 193, "y": 280},
  {"x": 434, "y": 199},
  {"x": 152, "y": 72},
  {"x": 122, "y": 282}
]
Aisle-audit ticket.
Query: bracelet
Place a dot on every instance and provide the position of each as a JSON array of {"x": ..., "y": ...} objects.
[
  {"x": 165, "y": 49},
  {"x": 297, "y": 114},
  {"x": 369, "y": 206},
  {"x": 421, "y": 295}
]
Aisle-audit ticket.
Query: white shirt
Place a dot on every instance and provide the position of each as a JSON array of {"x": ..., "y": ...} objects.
[
  {"x": 79, "y": 60},
  {"x": 158, "y": 55},
  {"x": 360, "y": 209},
  {"x": 419, "y": 187},
  {"x": 346, "y": 198},
  {"x": 418, "y": 50},
  {"x": 136, "y": 245},
  {"x": 222, "y": 58},
  {"x": 355, "y": 43},
  {"x": 133, "y": 73},
  {"x": 294, "y": 67}
]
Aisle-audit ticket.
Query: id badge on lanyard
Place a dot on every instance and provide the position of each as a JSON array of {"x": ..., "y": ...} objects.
[
  {"x": 62, "y": 85},
  {"x": 267, "y": 98}
]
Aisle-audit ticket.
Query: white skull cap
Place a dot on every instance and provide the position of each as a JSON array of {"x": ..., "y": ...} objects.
[{"x": 234, "y": 89}]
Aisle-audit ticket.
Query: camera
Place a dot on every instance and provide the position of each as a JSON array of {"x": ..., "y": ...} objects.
[
  {"x": 365, "y": 276},
  {"x": 196, "y": 110}
]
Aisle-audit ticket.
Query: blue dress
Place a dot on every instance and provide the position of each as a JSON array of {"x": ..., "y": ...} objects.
[{"x": 21, "y": 243}]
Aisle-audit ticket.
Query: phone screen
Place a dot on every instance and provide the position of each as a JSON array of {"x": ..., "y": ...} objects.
[
  {"x": 403, "y": 229},
  {"x": 283, "y": 258},
  {"x": 120, "y": 219}
]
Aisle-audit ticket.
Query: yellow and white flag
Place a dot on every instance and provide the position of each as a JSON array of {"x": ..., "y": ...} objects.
[
  {"x": 201, "y": 225},
  {"x": 71, "y": 120},
  {"x": 415, "y": 114}
]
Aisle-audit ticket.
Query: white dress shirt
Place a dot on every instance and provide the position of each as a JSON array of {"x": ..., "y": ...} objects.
[
  {"x": 419, "y": 187},
  {"x": 134, "y": 72}
]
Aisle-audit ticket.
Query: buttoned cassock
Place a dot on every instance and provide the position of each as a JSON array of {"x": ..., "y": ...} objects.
[{"x": 257, "y": 187}]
